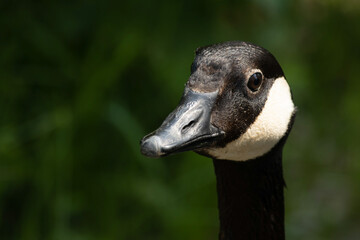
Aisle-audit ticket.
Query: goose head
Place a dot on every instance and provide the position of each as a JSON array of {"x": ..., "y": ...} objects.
[{"x": 237, "y": 105}]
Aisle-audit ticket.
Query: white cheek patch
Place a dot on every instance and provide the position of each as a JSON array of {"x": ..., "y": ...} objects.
[{"x": 269, "y": 127}]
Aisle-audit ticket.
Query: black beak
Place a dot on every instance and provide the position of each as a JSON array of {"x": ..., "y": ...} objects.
[{"x": 187, "y": 128}]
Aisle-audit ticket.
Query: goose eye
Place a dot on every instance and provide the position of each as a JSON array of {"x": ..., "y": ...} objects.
[{"x": 255, "y": 81}]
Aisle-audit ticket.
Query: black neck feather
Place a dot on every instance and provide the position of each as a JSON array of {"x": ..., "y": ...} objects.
[{"x": 250, "y": 197}]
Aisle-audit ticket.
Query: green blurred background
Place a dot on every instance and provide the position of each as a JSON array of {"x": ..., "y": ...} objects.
[{"x": 82, "y": 81}]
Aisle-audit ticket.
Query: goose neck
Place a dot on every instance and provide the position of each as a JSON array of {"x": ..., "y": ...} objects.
[{"x": 250, "y": 198}]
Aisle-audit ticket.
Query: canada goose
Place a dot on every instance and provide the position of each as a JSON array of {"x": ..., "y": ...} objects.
[{"x": 237, "y": 109}]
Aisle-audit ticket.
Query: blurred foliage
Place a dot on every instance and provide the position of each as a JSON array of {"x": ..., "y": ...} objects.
[{"x": 82, "y": 81}]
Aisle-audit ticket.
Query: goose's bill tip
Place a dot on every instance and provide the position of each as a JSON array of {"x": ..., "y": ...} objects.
[{"x": 150, "y": 147}]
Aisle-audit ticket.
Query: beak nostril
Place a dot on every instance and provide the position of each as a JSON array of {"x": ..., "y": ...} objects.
[{"x": 187, "y": 126}]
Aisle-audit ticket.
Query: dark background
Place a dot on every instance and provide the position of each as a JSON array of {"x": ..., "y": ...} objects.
[{"x": 82, "y": 81}]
